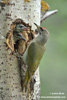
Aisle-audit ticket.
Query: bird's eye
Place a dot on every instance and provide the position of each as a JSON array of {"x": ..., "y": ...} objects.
[{"x": 41, "y": 29}]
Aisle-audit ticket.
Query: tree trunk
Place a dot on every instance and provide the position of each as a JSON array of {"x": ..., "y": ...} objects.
[{"x": 10, "y": 73}]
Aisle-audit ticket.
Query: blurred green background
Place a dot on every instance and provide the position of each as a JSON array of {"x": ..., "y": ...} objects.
[{"x": 53, "y": 66}]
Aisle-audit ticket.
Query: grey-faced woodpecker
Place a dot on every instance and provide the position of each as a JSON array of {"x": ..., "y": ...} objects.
[
  {"x": 18, "y": 29},
  {"x": 34, "y": 54}
]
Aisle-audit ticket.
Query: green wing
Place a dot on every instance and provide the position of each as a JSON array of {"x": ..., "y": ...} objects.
[{"x": 35, "y": 53}]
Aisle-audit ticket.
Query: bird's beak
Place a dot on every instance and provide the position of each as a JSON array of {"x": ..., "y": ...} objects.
[
  {"x": 21, "y": 36},
  {"x": 26, "y": 28},
  {"x": 37, "y": 26}
]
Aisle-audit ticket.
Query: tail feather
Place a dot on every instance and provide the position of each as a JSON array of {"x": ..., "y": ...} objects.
[{"x": 26, "y": 81}]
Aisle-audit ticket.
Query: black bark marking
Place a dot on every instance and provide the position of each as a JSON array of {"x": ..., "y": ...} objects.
[{"x": 2, "y": 63}]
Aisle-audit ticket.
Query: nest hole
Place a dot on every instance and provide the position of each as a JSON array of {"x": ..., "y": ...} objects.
[{"x": 20, "y": 45}]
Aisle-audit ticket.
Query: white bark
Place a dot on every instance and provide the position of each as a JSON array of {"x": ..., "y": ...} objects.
[{"x": 10, "y": 80}]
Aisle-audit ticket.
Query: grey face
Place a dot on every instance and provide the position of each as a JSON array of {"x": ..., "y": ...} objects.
[
  {"x": 41, "y": 30},
  {"x": 44, "y": 34}
]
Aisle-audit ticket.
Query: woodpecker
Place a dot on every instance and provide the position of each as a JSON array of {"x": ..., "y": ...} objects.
[
  {"x": 13, "y": 36},
  {"x": 17, "y": 32},
  {"x": 34, "y": 54},
  {"x": 20, "y": 44},
  {"x": 20, "y": 38}
]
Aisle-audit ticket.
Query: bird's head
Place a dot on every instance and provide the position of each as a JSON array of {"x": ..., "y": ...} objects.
[
  {"x": 43, "y": 34},
  {"x": 20, "y": 28},
  {"x": 41, "y": 30}
]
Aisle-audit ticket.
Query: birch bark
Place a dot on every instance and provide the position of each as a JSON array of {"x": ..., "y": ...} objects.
[{"x": 10, "y": 80}]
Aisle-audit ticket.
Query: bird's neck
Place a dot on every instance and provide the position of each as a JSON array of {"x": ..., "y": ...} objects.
[{"x": 41, "y": 39}]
